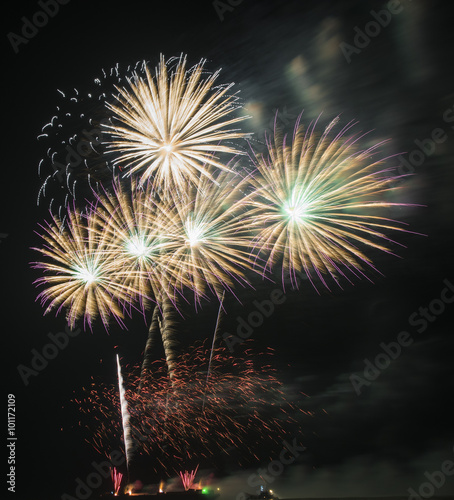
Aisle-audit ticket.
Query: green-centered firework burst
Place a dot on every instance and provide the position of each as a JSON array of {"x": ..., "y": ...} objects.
[{"x": 317, "y": 203}]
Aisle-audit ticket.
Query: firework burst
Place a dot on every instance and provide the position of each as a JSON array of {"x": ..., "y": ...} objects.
[
  {"x": 131, "y": 226},
  {"x": 210, "y": 240},
  {"x": 81, "y": 276},
  {"x": 317, "y": 201},
  {"x": 169, "y": 126}
]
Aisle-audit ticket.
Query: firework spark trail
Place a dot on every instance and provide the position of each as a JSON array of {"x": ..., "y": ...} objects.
[
  {"x": 215, "y": 336},
  {"x": 125, "y": 417},
  {"x": 116, "y": 479},
  {"x": 170, "y": 125},
  {"x": 315, "y": 201},
  {"x": 187, "y": 478}
]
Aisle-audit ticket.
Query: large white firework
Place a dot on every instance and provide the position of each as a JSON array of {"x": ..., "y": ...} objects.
[{"x": 169, "y": 125}]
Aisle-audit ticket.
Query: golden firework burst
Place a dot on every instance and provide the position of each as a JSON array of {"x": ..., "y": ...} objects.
[
  {"x": 210, "y": 242},
  {"x": 80, "y": 274},
  {"x": 132, "y": 227},
  {"x": 170, "y": 125},
  {"x": 317, "y": 201}
]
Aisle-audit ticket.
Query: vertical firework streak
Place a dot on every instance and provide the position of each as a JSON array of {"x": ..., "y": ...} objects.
[
  {"x": 151, "y": 339},
  {"x": 124, "y": 416},
  {"x": 168, "y": 336},
  {"x": 167, "y": 332},
  {"x": 215, "y": 335}
]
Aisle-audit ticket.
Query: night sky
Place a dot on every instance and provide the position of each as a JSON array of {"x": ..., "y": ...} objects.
[{"x": 372, "y": 437}]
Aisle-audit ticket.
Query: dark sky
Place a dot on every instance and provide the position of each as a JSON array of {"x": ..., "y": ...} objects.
[{"x": 287, "y": 56}]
